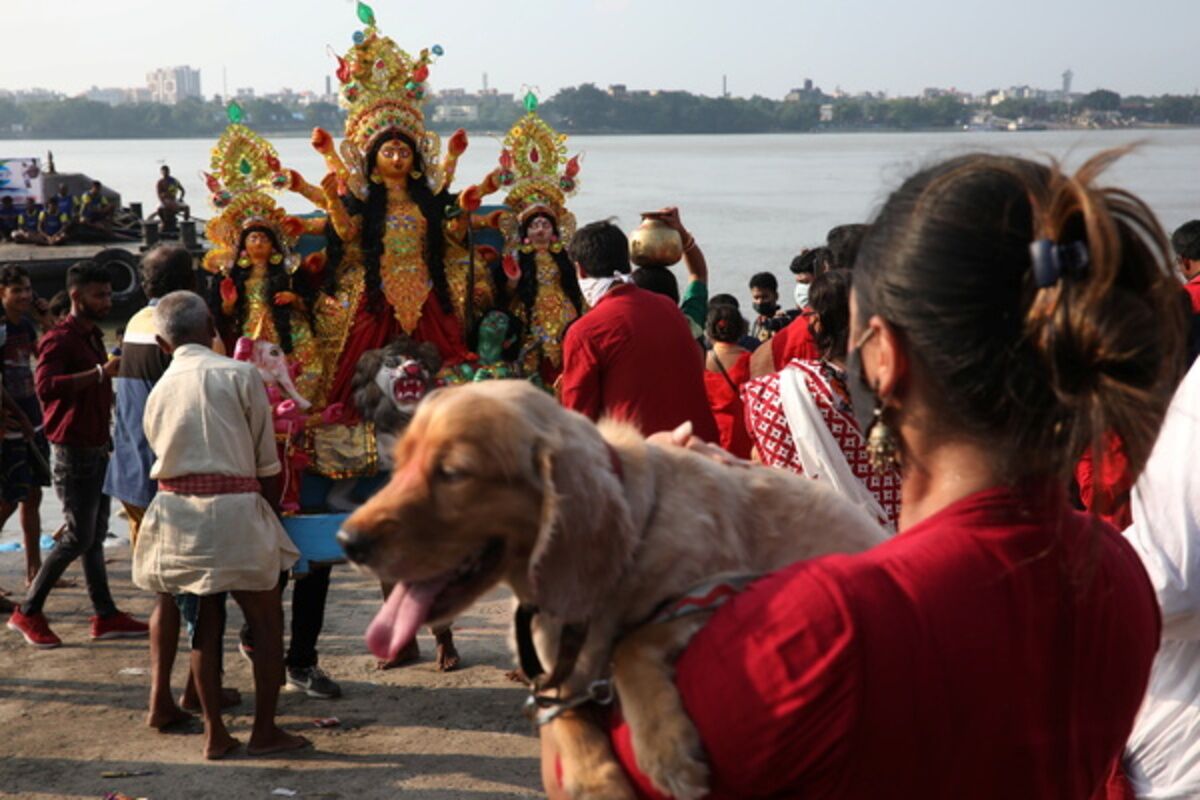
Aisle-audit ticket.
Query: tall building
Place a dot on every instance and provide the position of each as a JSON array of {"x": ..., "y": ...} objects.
[{"x": 169, "y": 85}]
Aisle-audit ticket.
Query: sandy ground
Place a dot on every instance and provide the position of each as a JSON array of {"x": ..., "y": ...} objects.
[{"x": 67, "y": 715}]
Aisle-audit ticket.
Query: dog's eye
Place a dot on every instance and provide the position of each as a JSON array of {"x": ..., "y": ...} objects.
[{"x": 448, "y": 474}]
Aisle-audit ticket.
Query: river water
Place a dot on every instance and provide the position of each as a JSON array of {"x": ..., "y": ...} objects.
[{"x": 752, "y": 201}]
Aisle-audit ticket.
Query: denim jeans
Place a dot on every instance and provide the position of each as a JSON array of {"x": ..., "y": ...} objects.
[{"x": 79, "y": 483}]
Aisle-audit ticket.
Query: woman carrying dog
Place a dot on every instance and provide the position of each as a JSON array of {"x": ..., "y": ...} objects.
[{"x": 1004, "y": 317}]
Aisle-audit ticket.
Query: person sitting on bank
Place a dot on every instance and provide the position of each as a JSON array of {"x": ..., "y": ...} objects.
[
  {"x": 170, "y": 198},
  {"x": 8, "y": 217},
  {"x": 54, "y": 224},
  {"x": 96, "y": 210},
  {"x": 26, "y": 230},
  {"x": 212, "y": 527}
]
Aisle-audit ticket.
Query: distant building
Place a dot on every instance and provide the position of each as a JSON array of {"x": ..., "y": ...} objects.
[
  {"x": 617, "y": 90},
  {"x": 170, "y": 85},
  {"x": 244, "y": 94},
  {"x": 805, "y": 92},
  {"x": 113, "y": 96},
  {"x": 456, "y": 112},
  {"x": 826, "y": 113}
]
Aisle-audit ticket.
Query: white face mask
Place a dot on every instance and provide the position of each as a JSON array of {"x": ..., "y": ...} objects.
[
  {"x": 593, "y": 289},
  {"x": 800, "y": 293}
]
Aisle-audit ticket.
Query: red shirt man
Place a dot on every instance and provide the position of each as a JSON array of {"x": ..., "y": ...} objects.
[{"x": 632, "y": 356}]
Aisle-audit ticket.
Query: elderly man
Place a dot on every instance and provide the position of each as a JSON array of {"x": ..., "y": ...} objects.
[{"x": 211, "y": 528}]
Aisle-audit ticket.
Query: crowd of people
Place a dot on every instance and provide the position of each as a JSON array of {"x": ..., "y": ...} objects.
[
  {"x": 984, "y": 368},
  {"x": 947, "y": 368},
  {"x": 61, "y": 218}
]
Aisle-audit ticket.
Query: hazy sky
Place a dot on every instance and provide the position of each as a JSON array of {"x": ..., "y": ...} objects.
[{"x": 764, "y": 46}]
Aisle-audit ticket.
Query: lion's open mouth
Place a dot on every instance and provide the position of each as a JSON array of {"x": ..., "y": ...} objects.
[
  {"x": 411, "y": 604},
  {"x": 408, "y": 391}
]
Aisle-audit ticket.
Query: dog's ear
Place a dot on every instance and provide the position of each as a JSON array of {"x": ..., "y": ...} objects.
[{"x": 586, "y": 537}]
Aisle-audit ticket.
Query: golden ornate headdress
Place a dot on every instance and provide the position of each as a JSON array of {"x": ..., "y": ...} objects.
[
  {"x": 244, "y": 168},
  {"x": 382, "y": 89},
  {"x": 531, "y": 160}
]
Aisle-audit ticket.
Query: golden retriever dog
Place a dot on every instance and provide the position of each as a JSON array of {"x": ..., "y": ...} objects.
[{"x": 592, "y": 526}]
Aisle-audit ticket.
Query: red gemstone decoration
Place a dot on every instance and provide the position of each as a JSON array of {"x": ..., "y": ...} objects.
[
  {"x": 343, "y": 70},
  {"x": 506, "y": 160},
  {"x": 572, "y": 167},
  {"x": 421, "y": 74},
  {"x": 273, "y": 163},
  {"x": 535, "y": 156}
]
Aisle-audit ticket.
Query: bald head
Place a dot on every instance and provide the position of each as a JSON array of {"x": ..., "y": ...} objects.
[{"x": 183, "y": 318}]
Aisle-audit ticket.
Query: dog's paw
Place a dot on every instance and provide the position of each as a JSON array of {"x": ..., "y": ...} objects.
[
  {"x": 606, "y": 782},
  {"x": 671, "y": 756}
]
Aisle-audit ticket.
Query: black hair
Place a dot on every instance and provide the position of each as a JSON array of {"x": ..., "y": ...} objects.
[
  {"x": 843, "y": 242},
  {"x": 83, "y": 273},
  {"x": 1039, "y": 372},
  {"x": 725, "y": 324},
  {"x": 601, "y": 249},
  {"x": 813, "y": 261},
  {"x": 1185, "y": 241},
  {"x": 165, "y": 269},
  {"x": 723, "y": 300},
  {"x": 12, "y": 274},
  {"x": 764, "y": 280},
  {"x": 61, "y": 303},
  {"x": 374, "y": 223},
  {"x": 829, "y": 298},
  {"x": 7, "y": 200},
  {"x": 659, "y": 280},
  {"x": 527, "y": 286}
]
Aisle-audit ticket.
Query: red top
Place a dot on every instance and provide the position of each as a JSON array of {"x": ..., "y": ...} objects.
[
  {"x": 1105, "y": 491},
  {"x": 632, "y": 357},
  {"x": 727, "y": 408},
  {"x": 794, "y": 341},
  {"x": 998, "y": 649},
  {"x": 76, "y": 418},
  {"x": 1192, "y": 287}
]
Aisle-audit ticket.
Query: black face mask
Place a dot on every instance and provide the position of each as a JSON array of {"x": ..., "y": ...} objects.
[
  {"x": 765, "y": 309},
  {"x": 862, "y": 397}
]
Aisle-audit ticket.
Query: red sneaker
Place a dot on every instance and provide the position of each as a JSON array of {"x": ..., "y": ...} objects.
[
  {"x": 119, "y": 626},
  {"x": 35, "y": 629}
]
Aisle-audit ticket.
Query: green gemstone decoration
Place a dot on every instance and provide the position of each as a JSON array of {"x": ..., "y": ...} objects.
[
  {"x": 235, "y": 112},
  {"x": 531, "y": 102},
  {"x": 244, "y": 166},
  {"x": 411, "y": 86},
  {"x": 365, "y": 15}
]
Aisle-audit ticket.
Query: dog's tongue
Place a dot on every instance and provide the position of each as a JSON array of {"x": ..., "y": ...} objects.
[{"x": 402, "y": 614}]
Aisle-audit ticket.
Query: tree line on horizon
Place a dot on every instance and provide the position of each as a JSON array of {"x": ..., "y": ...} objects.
[{"x": 583, "y": 109}]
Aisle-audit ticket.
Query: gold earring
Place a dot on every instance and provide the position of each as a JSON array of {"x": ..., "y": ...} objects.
[
  {"x": 415, "y": 174},
  {"x": 376, "y": 178},
  {"x": 883, "y": 448}
]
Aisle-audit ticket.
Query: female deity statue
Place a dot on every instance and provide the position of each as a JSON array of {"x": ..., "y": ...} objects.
[
  {"x": 261, "y": 292},
  {"x": 398, "y": 233},
  {"x": 261, "y": 300},
  {"x": 539, "y": 287}
]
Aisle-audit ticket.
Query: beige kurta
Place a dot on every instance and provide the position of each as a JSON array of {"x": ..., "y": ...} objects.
[{"x": 209, "y": 415}]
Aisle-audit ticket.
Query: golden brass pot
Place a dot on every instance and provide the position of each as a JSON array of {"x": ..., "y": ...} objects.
[{"x": 654, "y": 244}]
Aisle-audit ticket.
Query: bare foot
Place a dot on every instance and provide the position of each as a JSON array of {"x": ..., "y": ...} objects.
[
  {"x": 278, "y": 741},
  {"x": 517, "y": 676},
  {"x": 230, "y": 697},
  {"x": 217, "y": 748},
  {"x": 447, "y": 655},
  {"x": 164, "y": 719},
  {"x": 411, "y": 653}
]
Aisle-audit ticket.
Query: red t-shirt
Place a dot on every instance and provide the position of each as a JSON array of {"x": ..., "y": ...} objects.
[
  {"x": 633, "y": 358},
  {"x": 727, "y": 408},
  {"x": 998, "y": 649},
  {"x": 1192, "y": 287},
  {"x": 794, "y": 341}
]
